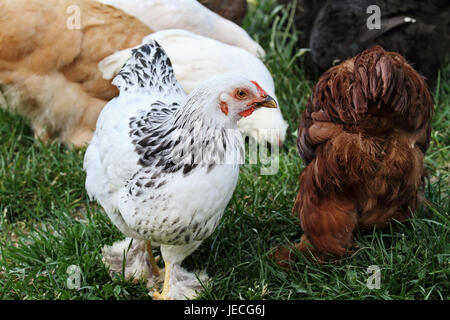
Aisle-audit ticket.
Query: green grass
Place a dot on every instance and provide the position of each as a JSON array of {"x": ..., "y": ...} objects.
[{"x": 47, "y": 223}]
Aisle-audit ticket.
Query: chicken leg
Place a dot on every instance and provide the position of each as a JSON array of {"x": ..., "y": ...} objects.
[
  {"x": 153, "y": 263},
  {"x": 166, "y": 287}
]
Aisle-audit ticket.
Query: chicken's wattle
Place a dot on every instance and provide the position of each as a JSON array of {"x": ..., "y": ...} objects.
[{"x": 247, "y": 112}]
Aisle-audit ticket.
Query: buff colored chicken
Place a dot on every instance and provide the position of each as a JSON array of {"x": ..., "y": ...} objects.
[{"x": 49, "y": 51}]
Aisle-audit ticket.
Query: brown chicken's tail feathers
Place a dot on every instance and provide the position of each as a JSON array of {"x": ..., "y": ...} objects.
[
  {"x": 148, "y": 70},
  {"x": 374, "y": 82}
]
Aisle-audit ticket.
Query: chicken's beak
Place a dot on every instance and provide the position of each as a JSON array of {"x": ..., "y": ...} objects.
[{"x": 268, "y": 102}]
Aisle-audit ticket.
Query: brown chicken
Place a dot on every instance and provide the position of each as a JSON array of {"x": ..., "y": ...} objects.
[
  {"x": 49, "y": 50},
  {"x": 363, "y": 137}
]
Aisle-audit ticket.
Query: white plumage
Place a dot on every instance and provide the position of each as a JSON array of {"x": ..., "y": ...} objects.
[
  {"x": 188, "y": 15},
  {"x": 196, "y": 58},
  {"x": 164, "y": 165}
]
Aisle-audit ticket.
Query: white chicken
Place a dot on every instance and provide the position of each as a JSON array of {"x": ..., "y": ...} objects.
[
  {"x": 188, "y": 15},
  {"x": 164, "y": 164},
  {"x": 196, "y": 58}
]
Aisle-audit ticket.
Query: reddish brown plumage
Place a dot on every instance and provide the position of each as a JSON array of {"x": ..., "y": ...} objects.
[{"x": 363, "y": 136}]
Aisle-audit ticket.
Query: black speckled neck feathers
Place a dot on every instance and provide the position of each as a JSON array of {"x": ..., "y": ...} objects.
[{"x": 148, "y": 70}]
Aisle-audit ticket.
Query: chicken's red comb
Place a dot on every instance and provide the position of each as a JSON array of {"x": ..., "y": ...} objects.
[{"x": 260, "y": 90}]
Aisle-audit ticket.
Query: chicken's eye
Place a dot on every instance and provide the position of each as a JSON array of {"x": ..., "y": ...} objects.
[{"x": 241, "y": 93}]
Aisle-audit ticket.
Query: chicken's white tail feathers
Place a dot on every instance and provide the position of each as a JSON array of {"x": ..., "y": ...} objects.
[{"x": 148, "y": 70}]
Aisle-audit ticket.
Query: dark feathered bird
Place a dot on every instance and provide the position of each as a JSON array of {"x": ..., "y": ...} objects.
[
  {"x": 363, "y": 137},
  {"x": 337, "y": 30},
  {"x": 234, "y": 10}
]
